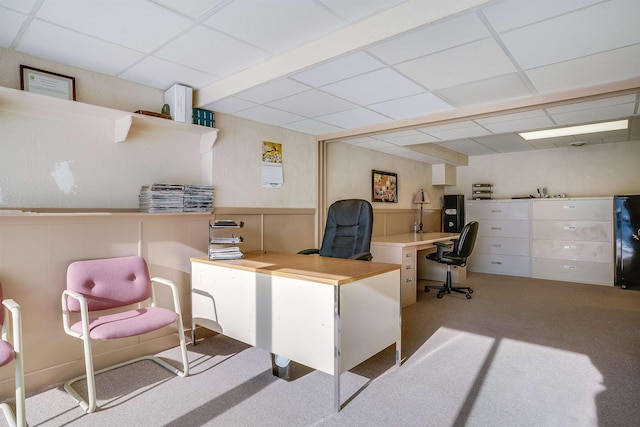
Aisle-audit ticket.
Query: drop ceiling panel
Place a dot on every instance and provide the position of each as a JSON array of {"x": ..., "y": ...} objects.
[
  {"x": 595, "y": 114},
  {"x": 411, "y": 139},
  {"x": 270, "y": 25},
  {"x": 192, "y": 9},
  {"x": 164, "y": 74},
  {"x": 230, "y": 105},
  {"x": 272, "y": 116},
  {"x": 312, "y": 103},
  {"x": 505, "y": 143},
  {"x": 375, "y": 145},
  {"x": 52, "y": 42},
  {"x": 18, "y": 5},
  {"x": 356, "y": 10},
  {"x": 457, "y": 133},
  {"x": 488, "y": 91},
  {"x": 431, "y": 39},
  {"x": 510, "y": 117},
  {"x": 376, "y": 86},
  {"x": 339, "y": 69},
  {"x": 468, "y": 63},
  {"x": 141, "y": 25},
  {"x": 549, "y": 41},
  {"x": 355, "y": 118},
  {"x": 599, "y": 103},
  {"x": 10, "y": 24},
  {"x": 467, "y": 146},
  {"x": 312, "y": 127},
  {"x": 237, "y": 55},
  {"x": 410, "y": 106},
  {"x": 520, "y": 125},
  {"x": 616, "y": 65},
  {"x": 271, "y": 91},
  {"x": 512, "y": 14}
]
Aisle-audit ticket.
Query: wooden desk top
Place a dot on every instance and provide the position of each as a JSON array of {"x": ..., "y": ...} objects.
[
  {"x": 412, "y": 239},
  {"x": 332, "y": 271}
]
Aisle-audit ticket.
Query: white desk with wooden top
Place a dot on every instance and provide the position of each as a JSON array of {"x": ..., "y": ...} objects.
[
  {"x": 326, "y": 313},
  {"x": 403, "y": 249}
]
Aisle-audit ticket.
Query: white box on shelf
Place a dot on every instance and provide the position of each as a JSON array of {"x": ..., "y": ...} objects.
[{"x": 180, "y": 100}]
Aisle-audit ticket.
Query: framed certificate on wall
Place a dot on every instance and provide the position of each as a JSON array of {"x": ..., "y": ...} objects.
[{"x": 47, "y": 83}]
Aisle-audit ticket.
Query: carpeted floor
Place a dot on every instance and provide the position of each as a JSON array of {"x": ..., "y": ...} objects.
[{"x": 521, "y": 352}]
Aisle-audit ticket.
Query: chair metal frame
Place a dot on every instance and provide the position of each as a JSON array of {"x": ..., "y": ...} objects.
[
  {"x": 90, "y": 405},
  {"x": 13, "y": 335}
]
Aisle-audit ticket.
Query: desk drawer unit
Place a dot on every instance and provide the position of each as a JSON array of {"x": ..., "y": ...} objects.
[
  {"x": 572, "y": 240},
  {"x": 503, "y": 243},
  {"x": 408, "y": 277}
]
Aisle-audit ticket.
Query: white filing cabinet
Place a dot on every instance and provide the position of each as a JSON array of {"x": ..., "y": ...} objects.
[
  {"x": 503, "y": 242},
  {"x": 572, "y": 240}
]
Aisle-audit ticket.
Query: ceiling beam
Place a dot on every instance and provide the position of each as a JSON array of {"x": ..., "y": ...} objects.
[
  {"x": 400, "y": 19},
  {"x": 447, "y": 155}
]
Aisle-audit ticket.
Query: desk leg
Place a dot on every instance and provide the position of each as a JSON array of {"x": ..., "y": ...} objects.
[{"x": 336, "y": 349}]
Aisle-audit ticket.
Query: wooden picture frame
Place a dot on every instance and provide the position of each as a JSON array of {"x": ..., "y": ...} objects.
[
  {"x": 384, "y": 187},
  {"x": 47, "y": 83}
]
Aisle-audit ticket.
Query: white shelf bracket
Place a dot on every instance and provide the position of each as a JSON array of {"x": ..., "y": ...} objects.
[
  {"x": 207, "y": 140},
  {"x": 121, "y": 128}
]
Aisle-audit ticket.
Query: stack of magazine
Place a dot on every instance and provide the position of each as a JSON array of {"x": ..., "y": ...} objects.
[
  {"x": 225, "y": 247},
  {"x": 157, "y": 198}
]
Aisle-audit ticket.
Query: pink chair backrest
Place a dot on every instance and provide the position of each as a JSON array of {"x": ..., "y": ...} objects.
[
  {"x": 109, "y": 283},
  {"x": 1, "y": 308}
]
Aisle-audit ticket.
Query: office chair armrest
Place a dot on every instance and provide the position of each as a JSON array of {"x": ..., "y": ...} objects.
[
  {"x": 309, "y": 251},
  {"x": 363, "y": 256},
  {"x": 174, "y": 293},
  {"x": 14, "y": 334}
]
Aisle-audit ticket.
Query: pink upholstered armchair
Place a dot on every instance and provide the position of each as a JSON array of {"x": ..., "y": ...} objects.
[
  {"x": 11, "y": 351},
  {"x": 115, "y": 283}
]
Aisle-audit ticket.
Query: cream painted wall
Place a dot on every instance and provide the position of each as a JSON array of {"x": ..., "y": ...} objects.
[
  {"x": 350, "y": 176},
  {"x": 591, "y": 170}
]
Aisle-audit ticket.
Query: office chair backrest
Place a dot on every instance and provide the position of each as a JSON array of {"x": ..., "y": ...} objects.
[
  {"x": 109, "y": 283},
  {"x": 348, "y": 229},
  {"x": 467, "y": 239}
]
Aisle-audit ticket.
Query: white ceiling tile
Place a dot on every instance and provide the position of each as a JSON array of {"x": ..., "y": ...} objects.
[
  {"x": 161, "y": 74},
  {"x": 312, "y": 103},
  {"x": 275, "y": 26},
  {"x": 339, "y": 69},
  {"x": 505, "y": 143},
  {"x": 229, "y": 105},
  {"x": 138, "y": 24},
  {"x": 355, "y": 10},
  {"x": 547, "y": 143},
  {"x": 457, "y": 133},
  {"x": 268, "y": 115},
  {"x": 312, "y": 127},
  {"x": 595, "y": 114},
  {"x": 599, "y": 103},
  {"x": 375, "y": 145},
  {"x": 10, "y": 24},
  {"x": 273, "y": 90},
  {"x": 616, "y": 65},
  {"x": 358, "y": 140},
  {"x": 468, "y": 63},
  {"x": 57, "y": 44},
  {"x": 192, "y": 8},
  {"x": 509, "y": 117},
  {"x": 353, "y": 118},
  {"x": 488, "y": 91},
  {"x": 373, "y": 87},
  {"x": 431, "y": 39},
  {"x": 223, "y": 57},
  {"x": 520, "y": 125},
  {"x": 511, "y": 14},
  {"x": 413, "y": 139},
  {"x": 407, "y": 154},
  {"x": 549, "y": 42},
  {"x": 24, "y": 6},
  {"x": 448, "y": 126},
  {"x": 412, "y": 106},
  {"x": 467, "y": 146}
]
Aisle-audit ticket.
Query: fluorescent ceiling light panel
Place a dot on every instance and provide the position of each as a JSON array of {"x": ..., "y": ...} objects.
[{"x": 576, "y": 130}]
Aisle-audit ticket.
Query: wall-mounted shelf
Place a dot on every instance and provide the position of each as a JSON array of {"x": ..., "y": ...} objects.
[{"x": 33, "y": 104}]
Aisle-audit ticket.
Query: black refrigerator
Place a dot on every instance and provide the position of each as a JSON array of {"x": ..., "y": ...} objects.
[{"x": 627, "y": 241}]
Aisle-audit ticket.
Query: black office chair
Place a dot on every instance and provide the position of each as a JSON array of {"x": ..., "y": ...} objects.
[
  {"x": 462, "y": 248},
  {"x": 348, "y": 231}
]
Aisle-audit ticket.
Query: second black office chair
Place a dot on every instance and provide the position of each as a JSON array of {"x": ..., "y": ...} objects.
[
  {"x": 348, "y": 231},
  {"x": 462, "y": 248}
]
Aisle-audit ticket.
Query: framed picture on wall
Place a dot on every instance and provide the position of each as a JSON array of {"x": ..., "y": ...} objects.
[
  {"x": 384, "y": 186},
  {"x": 47, "y": 83}
]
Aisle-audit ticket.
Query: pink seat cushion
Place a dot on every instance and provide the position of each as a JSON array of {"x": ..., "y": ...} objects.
[
  {"x": 127, "y": 324},
  {"x": 6, "y": 353}
]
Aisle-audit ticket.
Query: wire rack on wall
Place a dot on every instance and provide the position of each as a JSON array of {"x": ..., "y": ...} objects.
[{"x": 481, "y": 191}]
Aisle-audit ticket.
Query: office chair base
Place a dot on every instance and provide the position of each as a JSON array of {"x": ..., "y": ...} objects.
[{"x": 444, "y": 289}]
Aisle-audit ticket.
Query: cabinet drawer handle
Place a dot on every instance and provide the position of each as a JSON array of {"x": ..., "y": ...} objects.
[
  {"x": 570, "y": 227},
  {"x": 408, "y": 267},
  {"x": 409, "y": 280},
  {"x": 496, "y": 228},
  {"x": 496, "y": 262},
  {"x": 569, "y": 267},
  {"x": 409, "y": 255}
]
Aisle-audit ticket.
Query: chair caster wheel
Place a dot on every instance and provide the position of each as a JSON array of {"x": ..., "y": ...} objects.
[
  {"x": 426, "y": 289},
  {"x": 439, "y": 295},
  {"x": 470, "y": 291},
  {"x": 468, "y": 296}
]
